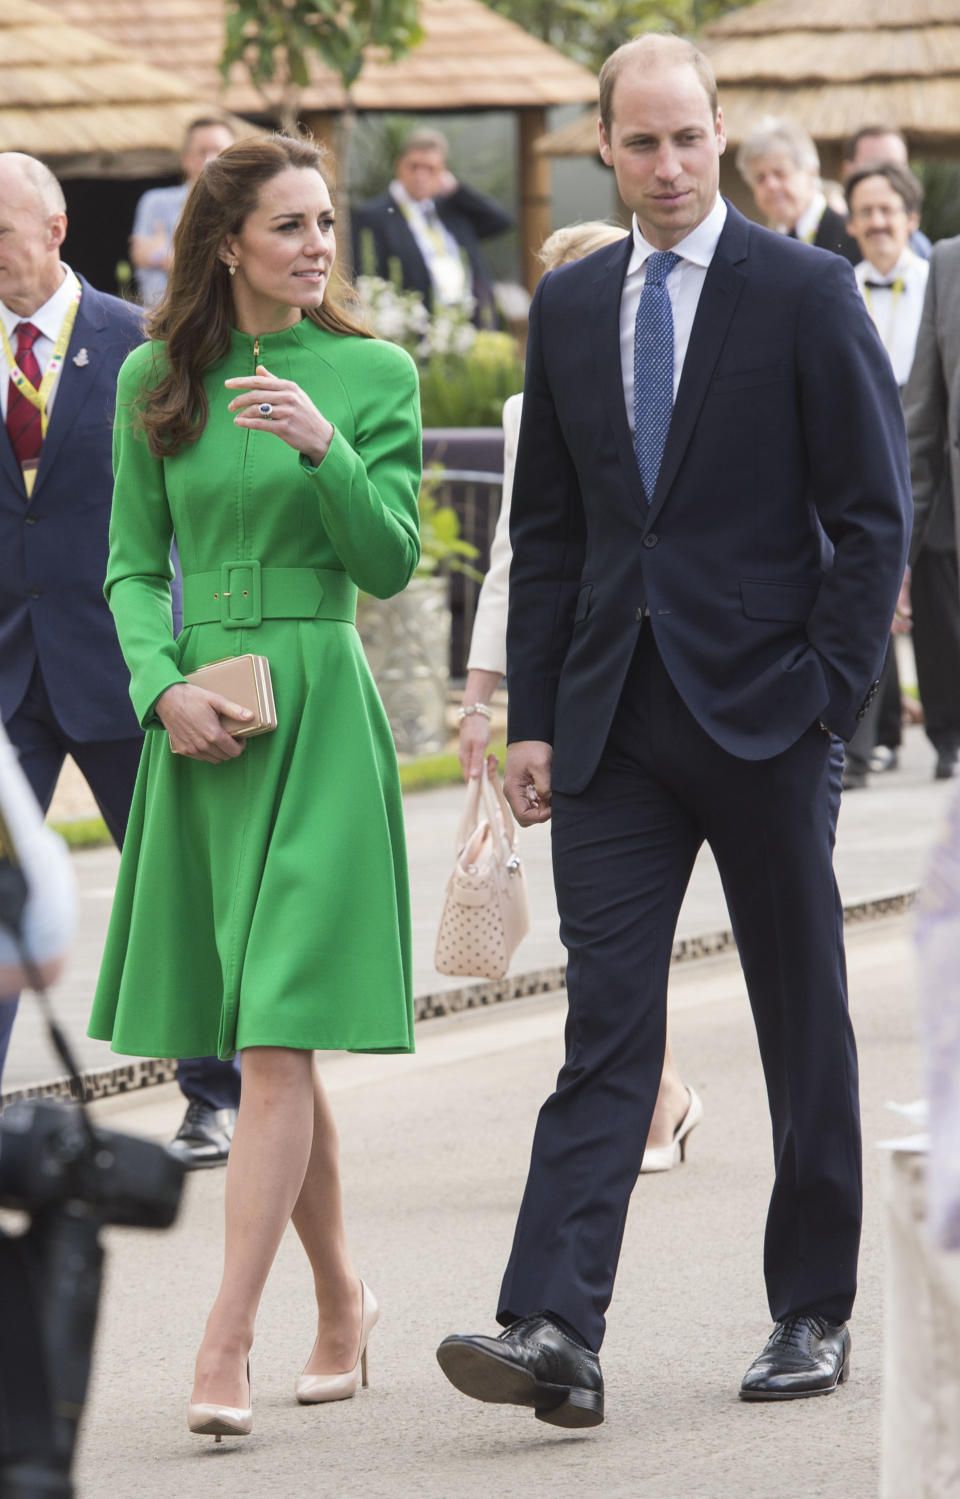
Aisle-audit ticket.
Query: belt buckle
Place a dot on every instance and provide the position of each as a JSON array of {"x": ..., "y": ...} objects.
[{"x": 240, "y": 595}]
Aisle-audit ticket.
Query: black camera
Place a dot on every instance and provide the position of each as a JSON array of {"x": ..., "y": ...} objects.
[
  {"x": 49, "y": 1156},
  {"x": 70, "y": 1178}
]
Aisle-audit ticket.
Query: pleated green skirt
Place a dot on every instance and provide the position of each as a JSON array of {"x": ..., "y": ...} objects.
[{"x": 265, "y": 901}]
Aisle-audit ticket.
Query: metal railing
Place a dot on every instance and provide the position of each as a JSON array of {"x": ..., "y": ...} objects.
[{"x": 475, "y": 496}]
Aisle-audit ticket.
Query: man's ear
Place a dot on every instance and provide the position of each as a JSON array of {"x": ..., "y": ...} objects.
[
  {"x": 606, "y": 155},
  {"x": 56, "y": 230}
]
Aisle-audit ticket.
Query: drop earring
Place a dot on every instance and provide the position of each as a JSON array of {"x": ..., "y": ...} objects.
[{"x": 232, "y": 268}]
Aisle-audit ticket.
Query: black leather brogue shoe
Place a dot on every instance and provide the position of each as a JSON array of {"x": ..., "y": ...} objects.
[
  {"x": 533, "y": 1363},
  {"x": 203, "y": 1139},
  {"x": 804, "y": 1355}
]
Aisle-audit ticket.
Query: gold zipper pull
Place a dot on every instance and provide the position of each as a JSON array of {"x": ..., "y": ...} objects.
[{"x": 256, "y": 349}]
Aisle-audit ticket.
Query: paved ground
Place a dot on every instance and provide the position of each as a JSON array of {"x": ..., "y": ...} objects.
[
  {"x": 884, "y": 835},
  {"x": 434, "y": 1155}
]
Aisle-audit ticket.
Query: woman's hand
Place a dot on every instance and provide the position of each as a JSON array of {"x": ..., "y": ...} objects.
[
  {"x": 475, "y": 727},
  {"x": 191, "y": 717},
  {"x": 293, "y": 417}
]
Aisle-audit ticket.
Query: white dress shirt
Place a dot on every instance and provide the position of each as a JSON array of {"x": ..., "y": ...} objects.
[
  {"x": 440, "y": 249},
  {"x": 684, "y": 285},
  {"x": 895, "y": 302},
  {"x": 49, "y": 319},
  {"x": 809, "y": 221}
]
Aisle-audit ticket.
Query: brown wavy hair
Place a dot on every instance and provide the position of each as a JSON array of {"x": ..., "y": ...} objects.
[{"x": 193, "y": 319}]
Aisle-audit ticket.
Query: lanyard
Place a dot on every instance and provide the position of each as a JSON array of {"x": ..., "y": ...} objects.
[
  {"x": 39, "y": 398},
  {"x": 433, "y": 231}
]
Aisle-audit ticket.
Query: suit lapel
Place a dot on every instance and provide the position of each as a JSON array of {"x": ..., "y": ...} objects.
[
  {"x": 718, "y": 300},
  {"x": 76, "y": 382},
  {"x": 608, "y": 289},
  {"x": 8, "y": 463}
]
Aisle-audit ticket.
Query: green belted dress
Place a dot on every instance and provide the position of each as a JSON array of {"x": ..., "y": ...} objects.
[{"x": 264, "y": 901}]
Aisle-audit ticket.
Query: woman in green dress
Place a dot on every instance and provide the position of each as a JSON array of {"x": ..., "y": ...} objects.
[{"x": 262, "y": 904}]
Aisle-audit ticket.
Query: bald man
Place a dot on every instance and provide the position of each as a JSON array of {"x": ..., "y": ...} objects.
[{"x": 64, "y": 685}]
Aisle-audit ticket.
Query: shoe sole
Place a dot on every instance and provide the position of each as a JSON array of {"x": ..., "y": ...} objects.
[
  {"x": 496, "y": 1381},
  {"x": 759, "y": 1395}
]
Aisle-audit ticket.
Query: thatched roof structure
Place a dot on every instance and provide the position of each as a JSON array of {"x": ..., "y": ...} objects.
[
  {"x": 833, "y": 65},
  {"x": 470, "y": 58},
  {"x": 82, "y": 103}
]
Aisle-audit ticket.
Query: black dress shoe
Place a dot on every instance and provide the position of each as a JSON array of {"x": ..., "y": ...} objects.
[
  {"x": 204, "y": 1137},
  {"x": 946, "y": 767},
  {"x": 804, "y": 1355},
  {"x": 532, "y": 1363}
]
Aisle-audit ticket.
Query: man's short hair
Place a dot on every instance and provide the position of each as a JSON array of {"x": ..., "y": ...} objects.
[
  {"x": 866, "y": 133},
  {"x": 41, "y": 179},
  {"x": 901, "y": 179},
  {"x": 207, "y": 122},
  {"x": 425, "y": 140},
  {"x": 777, "y": 135},
  {"x": 654, "y": 48}
]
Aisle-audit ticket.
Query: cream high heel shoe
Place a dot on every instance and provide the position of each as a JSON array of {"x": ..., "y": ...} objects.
[
  {"x": 665, "y": 1157},
  {"x": 221, "y": 1421},
  {"x": 314, "y": 1389}
]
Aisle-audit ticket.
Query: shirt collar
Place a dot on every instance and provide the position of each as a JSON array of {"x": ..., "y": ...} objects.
[
  {"x": 400, "y": 196},
  {"x": 48, "y": 318},
  {"x": 866, "y": 272},
  {"x": 698, "y": 246},
  {"x": 809, "y": 221}
]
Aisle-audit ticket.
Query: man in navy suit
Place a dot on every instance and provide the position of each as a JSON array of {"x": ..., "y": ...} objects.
[
  {"x": 63, "y": 681},
  {"x": 698, "y": 612},
  {"x": 429, "y": 226}
]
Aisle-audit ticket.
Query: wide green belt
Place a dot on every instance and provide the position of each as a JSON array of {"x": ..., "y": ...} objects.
[{"x": 241, "y": 595}]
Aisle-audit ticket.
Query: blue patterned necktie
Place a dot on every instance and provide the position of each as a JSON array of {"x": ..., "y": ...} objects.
[{"x": 653, "y": 369}]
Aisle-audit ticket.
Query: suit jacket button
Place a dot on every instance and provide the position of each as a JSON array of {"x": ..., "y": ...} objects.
[
  {"x": 639, "y": 614},
  {"x": 651, "y": 539},
  {"x": 34, "y": 593},
  {"x": 29, "y": 520}
]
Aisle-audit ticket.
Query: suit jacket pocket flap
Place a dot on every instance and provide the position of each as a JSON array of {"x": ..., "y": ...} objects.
[{"x": 787, "y": 601}]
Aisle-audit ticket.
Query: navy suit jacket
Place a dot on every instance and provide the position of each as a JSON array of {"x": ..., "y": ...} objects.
[
  {"x": 771, "y": 551},
  {"x": 467, "y": 214},
  {"x": 53, "y": 548}
]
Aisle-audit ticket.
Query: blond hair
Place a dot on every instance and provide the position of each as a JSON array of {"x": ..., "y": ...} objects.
[{"x": 574, "y": 241}]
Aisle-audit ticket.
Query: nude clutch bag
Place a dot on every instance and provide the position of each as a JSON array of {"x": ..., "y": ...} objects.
[{"x": 245, "y": 680}]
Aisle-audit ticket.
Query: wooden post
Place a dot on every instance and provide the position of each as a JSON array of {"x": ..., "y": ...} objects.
[{"x": 536, "y": 198}]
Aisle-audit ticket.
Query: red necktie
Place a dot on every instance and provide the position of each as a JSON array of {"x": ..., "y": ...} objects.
[{"x": 23, "y": 418}]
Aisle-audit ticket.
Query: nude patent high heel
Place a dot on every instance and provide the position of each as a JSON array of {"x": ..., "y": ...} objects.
[
  {"x": 314, "y": 1389},
  {"x": 665, "y": 1157},
  {"x": 221, "y": 1421}
]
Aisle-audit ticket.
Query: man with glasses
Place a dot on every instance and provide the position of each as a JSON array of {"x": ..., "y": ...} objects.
[{"x": 884, "y": 203}]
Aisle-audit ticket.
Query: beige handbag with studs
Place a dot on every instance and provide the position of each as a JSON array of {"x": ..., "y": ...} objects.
[{"x": 486, "y": 913}]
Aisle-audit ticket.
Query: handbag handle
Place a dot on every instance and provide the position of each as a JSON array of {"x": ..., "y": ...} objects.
[{"x": 494, "y": 803}]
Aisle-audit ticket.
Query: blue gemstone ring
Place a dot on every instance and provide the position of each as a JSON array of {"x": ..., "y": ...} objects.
[{"x": 265, "y": 409}]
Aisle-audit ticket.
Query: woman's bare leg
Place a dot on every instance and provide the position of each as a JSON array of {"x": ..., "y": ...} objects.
[
  {"x": 673, "y": 1100},
  {"x": 269, "y": 1159},
  {"x": 318, "y": 1219}
]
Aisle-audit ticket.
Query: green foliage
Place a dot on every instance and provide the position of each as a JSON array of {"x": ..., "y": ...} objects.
[
  {"x": 442, "y": 548},
  {"x": 589, "y": 30},
  {"x": 428, "y": 771},
  {"x": 468, "y": 390},
  {"x": 941, "y": 198},
  {"x": 275, "y": 39},
  {"x": 83, "y": 832}
]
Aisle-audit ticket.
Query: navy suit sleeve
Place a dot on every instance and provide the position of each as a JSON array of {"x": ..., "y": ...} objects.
[
  {"x": 548, "y": 536},
  {"x": 859, "y": 483},
  {"x": 485, "y": 215}
]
